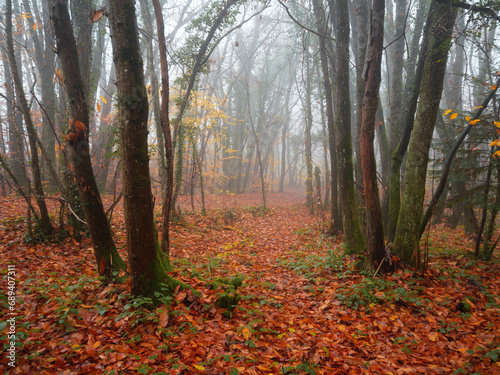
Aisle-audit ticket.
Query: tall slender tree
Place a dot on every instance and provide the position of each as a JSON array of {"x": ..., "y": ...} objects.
[
  {"x": 406, "y": 240},
  {"x": 372, "y": 71},
  {"x": 148, "y": 265},
  {"x": 45, "y": 223},
  {"x": 77, "y": 138},
  {"x": 350, "y": 216}
]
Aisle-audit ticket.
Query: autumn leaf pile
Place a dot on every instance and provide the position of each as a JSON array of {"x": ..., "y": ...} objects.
[{"x": 303, "y": 309}]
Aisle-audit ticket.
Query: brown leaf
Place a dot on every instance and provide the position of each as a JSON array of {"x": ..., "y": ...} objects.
[{"x": 96, "y": 15}]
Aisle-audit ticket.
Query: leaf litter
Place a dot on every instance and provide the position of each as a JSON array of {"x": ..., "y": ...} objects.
[{"x": 304, "y": 309}]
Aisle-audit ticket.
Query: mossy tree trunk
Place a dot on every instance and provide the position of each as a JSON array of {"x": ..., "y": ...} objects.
[
  {"x": 107, "y": 257},
  {"x": 350, "y": 216},
  {"x": 148, "y": 265},
  {"x": 407, "y": 236}
]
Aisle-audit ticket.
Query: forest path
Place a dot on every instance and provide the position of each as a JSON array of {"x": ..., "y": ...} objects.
[{"x": 290, "y": 319}]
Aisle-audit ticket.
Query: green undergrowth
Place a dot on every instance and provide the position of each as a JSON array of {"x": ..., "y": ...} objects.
[
  {"x": 371, "y": 291},
  {"x": 314, "y": 265}
]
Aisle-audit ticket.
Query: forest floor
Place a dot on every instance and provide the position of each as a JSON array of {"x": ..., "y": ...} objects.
[{"x": 304, "y": 309}]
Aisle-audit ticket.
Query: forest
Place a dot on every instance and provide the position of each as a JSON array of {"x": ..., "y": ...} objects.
[{"x": 249, "y": 187}]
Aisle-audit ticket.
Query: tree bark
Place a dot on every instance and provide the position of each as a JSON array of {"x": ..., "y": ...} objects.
[
  {"x": 353, "y": 236},
  {"x": 15, "y": 126},
  {"x": 407, "y": 236},
  {"x": 165, "y": 125},
  {"x": 44, "y": 60},
  {"x": 146, "y": 13},
  {"x": 307, "y": 137},
  {"x": 45, "y": 223},
  {"x": 148, "y": 265},
  {"x": 336, "y": 218},
  {"x": 106, "y": 255}
]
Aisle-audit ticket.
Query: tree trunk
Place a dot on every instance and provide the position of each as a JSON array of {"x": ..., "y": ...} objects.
[
  {"x": 83, "y": 33},
  {"x": 374, "y": 225},
  {"x": 15, "y": 127},
  {"x": 107, "y": 257},
  {"x": 488, "y": 246},
  {"x": 336, "y": 218},
  {"x": 407, "y": 236},
  {"x": 44, "y": 60},
  {"x": 165, "y": 125},
  {"x": 146, "y": 13},
  {"x": 45, "y": 223},
  {"x": 360, "y": 39},
  {"x": 307, "y": 138},
  {"x": 148, "y": 265}
]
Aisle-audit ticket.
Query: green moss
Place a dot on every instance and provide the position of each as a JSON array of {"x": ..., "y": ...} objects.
[{"x": 228, "y": 300}]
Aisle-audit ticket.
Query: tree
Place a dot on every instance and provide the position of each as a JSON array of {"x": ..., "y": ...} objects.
[
  {"x": 406, "y": 240},
  {"x": 45, "y": 224},
  {"x": 148, "y": 265},
  {"x": 165, "y": 126},
  {"x": 319, "y": 14},
  {"x": 107, "y": 257},
  {"x": 350, "y": 215}
]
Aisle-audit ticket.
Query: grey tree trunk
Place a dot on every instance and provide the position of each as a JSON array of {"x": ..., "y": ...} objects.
[
  {"x": 307, "y": 136},
  {"x": 45, "y": 223},
  {"x": 15, "y": 127}
]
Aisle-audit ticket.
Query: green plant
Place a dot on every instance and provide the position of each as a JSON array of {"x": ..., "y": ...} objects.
[
  {"x": 301, "y": 368},
  {"x": 228, "y": 298}
]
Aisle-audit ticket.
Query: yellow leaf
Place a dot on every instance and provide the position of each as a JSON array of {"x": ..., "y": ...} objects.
[
  {"x": 104, "y": 100},
  {"x": 433, "y": 336},
  {"x": 494, "y": 87},
  {"x": 497, "y": 153},
  {"x": 198, "y": 367},
  {"x": 493, "y": 143},
  {"x": 479, "y": 106},
  {"x": 98, "y": 107},
  {"x": 474, "y": 122},
  {"x": 497, "y": 124},
  {"x": 34, "y": 26},
  {"x": 447, "y": 112},
  {"x": 467, "y": 118},
  {"x": 246, "y": 333},
  {"x": 453, "y": 116},
  {"x": 86, "y": 306},
  {"x": 341, "y": 327}
]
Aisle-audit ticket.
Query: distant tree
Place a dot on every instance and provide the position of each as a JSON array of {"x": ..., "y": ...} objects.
[{"x": 45, "y": 223}]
